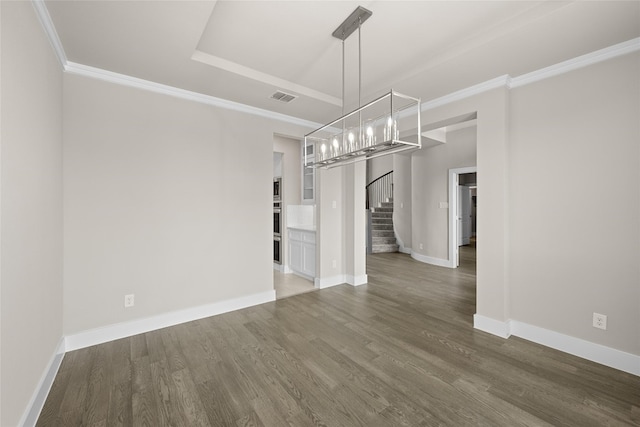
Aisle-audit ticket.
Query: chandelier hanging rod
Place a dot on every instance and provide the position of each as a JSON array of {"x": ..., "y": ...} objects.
[
  {"x": 352, "y": 22},
  {"x": 377, "y": 128}
]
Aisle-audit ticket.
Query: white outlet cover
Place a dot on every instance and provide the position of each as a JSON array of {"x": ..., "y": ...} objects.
[
  {"x": 600, "y": 321},
  {"x": 129, "y": 300}
]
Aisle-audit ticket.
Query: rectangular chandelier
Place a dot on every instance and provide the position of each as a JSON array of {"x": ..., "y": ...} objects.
[{"x": 389, "y": 124}]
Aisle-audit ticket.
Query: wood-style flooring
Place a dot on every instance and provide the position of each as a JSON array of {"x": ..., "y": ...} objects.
[{"x": 400, "y": 351}]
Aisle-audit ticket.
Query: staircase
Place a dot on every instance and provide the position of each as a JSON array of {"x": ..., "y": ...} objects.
[{"x": 383, "y": 238}]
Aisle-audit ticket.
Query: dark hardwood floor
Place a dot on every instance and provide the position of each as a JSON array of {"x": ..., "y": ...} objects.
[{"x": 398, "y": 351}]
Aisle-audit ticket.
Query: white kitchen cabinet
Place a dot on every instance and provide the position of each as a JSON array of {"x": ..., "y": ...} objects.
[
  {"x": 302, "y": 252},
  {"x": 308, "y": 176}
]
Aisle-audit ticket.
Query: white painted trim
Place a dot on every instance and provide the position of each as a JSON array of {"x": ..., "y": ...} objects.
[
  {"x": 301, "y": 274},
  {"x": 588, "y": 350},
  {"x": 401, "y": 247},
  {"x": 124, "y": 80},
  {"x": 507, "y": 81},
  {"x": 498, "y": 82},
  {"x": 278, "y": 267},
  {"x": 453, "y": 211},
  {"x": 404, "y": 250},
  {"x": 430, "y": 260},
  {"x": 607, "y": 356},
  {"x": 601, "y": 55},
  {"x": 357, "y": 280},
  {"x": 327, "y": 282},
  {"x": 50, "y": 30},
  {"x": 126, "y": 329},
  {"x": 39, "y": 397},
  {"x": 491, "y": 326}
]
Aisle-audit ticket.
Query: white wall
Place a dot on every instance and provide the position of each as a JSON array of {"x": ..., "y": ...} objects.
[
  {"x": 164, "y": 198},
  {"x": 431, "y": 186},
  {"x": 551, "y": 250},
  {"x": 402, "y": 200},
  {"x": 330, "y": 240},
  {"x": 378, "y": 166},
  {"x": 31, "y": 207},
  {"x": 574, "y": 244}
]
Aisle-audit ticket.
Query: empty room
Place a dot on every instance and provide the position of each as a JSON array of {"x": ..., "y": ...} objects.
[{"x": 333, "y": 213}]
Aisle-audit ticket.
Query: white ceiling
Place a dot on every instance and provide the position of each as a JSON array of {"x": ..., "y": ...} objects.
[{"x": 244, "y": 51}]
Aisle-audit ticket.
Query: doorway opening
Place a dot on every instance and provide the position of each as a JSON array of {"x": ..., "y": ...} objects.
[{"x": 463, "y": 198}]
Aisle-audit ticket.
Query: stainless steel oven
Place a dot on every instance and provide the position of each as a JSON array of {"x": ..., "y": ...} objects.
[
  {"x": 277, "y": 233},
  {"x": 277, "y": 249},
  {"x": 277, "y": 189},
  {"x": 277, "y": 219}
]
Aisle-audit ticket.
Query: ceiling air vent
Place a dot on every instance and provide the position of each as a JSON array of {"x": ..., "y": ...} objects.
[{"x": 283, "y": 97}]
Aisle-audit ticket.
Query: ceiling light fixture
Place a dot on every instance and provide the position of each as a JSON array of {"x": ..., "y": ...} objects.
[{"x": 389, "y": 124}]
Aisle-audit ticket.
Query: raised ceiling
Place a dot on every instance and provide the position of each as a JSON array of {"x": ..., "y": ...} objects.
[{"x": 244, "y": 51}]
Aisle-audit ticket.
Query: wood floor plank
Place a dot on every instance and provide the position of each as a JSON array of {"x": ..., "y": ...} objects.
[{"x": 399, "y": 351}]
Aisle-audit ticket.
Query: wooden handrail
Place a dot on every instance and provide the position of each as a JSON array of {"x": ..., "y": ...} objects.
[{"x": 367, "y": 204}]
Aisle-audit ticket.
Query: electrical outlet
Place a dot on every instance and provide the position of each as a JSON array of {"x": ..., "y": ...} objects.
[
  {"x": 599, "y": 321},
  {"x": 128, "y": 300},
  {"x": 421, "y": 247}
]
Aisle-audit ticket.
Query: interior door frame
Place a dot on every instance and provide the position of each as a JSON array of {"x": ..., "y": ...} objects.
[{"x": 453, "y": 211}]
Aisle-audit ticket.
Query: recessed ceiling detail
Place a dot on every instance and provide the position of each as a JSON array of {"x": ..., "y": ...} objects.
[
  {"x": 250, "y": 73},
  {"x": 232, "y": 50}
]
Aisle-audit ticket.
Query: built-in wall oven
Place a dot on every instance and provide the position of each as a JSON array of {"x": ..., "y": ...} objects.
[
  {"x": 277, "y": 189},
  {"x": 277, "y": 232}
]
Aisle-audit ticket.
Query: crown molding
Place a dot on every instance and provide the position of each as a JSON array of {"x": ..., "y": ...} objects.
[
  {"x": 125, "y": 80},
  {"x": 502, "y": 81},
  {"x": 601, "y": 55},
  {"x": 509, "y": 82},
  {"x": 505, "y": 81},
  {"x": 50, "y": 30}
]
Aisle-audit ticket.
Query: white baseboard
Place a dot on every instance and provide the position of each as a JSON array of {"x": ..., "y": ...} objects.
[
  {"x": 32, "y": 412},
  {"x": 607, "y": 356},
  {"x": 401, "y": 247},
  {"x": 282, "y": 268},
  {"x": 492, "y": 326},
  {"x": 431, "y": 260},
  {"x": 327, "y": 282},
  {"x": 357, "y": 280},
  {"x": 126, "y": 329},
  {"x": 598, "y": 353}
]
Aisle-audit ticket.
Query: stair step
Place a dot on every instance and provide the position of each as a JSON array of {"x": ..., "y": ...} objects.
[
  {"x": 382, "y": 209},
  {"x": 381, "y": 220},
  {"x": 377, "y": 214},
  {"x": 376, "y": 249},
  {"x": 390, "y": 240},
  {"x": 382, "y": 233},
  {"x": 382, "y": 227}
]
